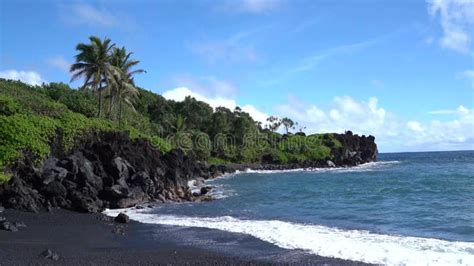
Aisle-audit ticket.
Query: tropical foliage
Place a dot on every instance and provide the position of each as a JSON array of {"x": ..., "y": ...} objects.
[{"x": 32, "y": 118}]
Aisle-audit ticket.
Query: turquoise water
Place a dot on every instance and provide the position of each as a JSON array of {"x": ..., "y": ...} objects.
[{"x": 408, "y": 208}]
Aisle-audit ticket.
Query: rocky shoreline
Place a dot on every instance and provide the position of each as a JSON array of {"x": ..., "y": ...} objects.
[{"x": 109, "y": 170}]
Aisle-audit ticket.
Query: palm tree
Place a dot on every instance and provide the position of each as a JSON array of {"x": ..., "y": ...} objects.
[
  {"x": 123, "y": 90},
  {"x": 179, "y": 125},
  {"x": 93, "y": 64}
]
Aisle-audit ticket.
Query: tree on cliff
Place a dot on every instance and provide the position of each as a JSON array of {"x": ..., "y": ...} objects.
[
  {"x": 273, "y": 123},
  {"x": 93, "y": 64},
  {"x": 288, "y": 124}
]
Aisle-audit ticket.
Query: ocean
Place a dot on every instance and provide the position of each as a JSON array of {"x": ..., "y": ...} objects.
[{"x": 404, "y": 209}]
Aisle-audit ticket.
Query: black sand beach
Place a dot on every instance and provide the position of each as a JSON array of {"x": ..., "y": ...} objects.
[{"x": 88, "y": 239}]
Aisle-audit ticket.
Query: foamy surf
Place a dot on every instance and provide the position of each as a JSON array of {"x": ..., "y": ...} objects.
[
  {"x": 359, "y": 168},
  {"x": 326, "y": 241}
]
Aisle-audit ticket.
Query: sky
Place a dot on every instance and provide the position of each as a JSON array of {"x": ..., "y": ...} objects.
[{"x": 401, "y": 70}]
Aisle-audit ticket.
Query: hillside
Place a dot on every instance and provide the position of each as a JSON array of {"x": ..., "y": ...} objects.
[{"x": 39, "y": 121}]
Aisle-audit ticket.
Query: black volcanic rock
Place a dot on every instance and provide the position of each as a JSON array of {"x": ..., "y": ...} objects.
[
  {"x": 106, "y": 170},
  {"x": 122, "y": 218},
  {"x": 7, "y": 226},
  {"x": 355, "y": 149},
  {"x": 110, "y": 170},
  {"x": 49, "y": 254}
]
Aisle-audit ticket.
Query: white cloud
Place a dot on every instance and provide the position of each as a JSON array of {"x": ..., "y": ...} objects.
[
  {"x": 97, "y": 15},
  {"x": 60, "y": 63},
  {"x": 415, "y": 126},
  {"x": 363, "y": 117},
  {"x": 259, "y": 6},
  {"x": 180, "y": 93},
  {"x": 454, "y": 134},
  {"x": 344, "y": 113},
  {"x": 274, "y": 76},
  {"x": 468, "y": 74},
  {"x": 249, "y": 6},
  {"x": 206, "y": 85},
  {"x": 461, "y": 110},
  {"x": 310, "y": 62},
  {"x": 83, "y": 13},
  {"x": 29, "y": 77},
  {"x": 429, "y": 41},
  {"x": 215, "y": 51},
  {"x": 234, "y": 49},
  {"x": 256, "y": 114},
  {"x": 391, "y": 132},
  {"x": 457, "y": 22}
]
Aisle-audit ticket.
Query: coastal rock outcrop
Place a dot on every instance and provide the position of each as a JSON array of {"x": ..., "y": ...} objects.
[
  {"x": 106, "y": 170},
  {"x": 110, "y": 170},
  {"x": 355, "y": 149}
]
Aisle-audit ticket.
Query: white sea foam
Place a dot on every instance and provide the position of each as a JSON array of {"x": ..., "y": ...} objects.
[
  {"x": 219, "y": 192},
  {"x": 326, "y": 241},
  {"x": 359, "y": 168}
]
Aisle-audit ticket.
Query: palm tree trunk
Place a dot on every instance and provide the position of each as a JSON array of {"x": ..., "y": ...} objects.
[
  {"x": 110, "y": 104},
  {"x": 120, "y": 112},
  {"x": 111, "y": 99},
  {"x": 100, "y": 99}
]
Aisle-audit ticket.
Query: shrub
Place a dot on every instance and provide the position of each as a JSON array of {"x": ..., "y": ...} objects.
[
  {"x": 217, "y": 161},
  {"x": 4, "y": 177},
  {"x": 248, "y": 155},
  {"x": 8, "y": 106},
  {"x": 274, "y": 156},
  {"x": 296, "y": 158},
  {"x": 79, "y": 101},
  {"x": 292, "y": 144},
  {"x": 25, "y": 132},
  {"x": 161, "y": 144},
  {"x": 319, "y": 153},
  {"x": 31, "y": 99}
]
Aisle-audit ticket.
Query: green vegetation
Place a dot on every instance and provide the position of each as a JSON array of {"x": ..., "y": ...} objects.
[{"x": 33, "y": 117}]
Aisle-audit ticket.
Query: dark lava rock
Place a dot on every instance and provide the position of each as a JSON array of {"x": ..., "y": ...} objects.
[
  {"x": 2, "y": 209},
  {"x": 122, "y": 218},
  {"x": 110, "y": 170},
  {"x": 205, "y": 190},
  {"x": 18, "y": 224},
  {"x": 355, "y": 149},
  {"x": 2, "y": 219},
  {"x": 7, "y": 226},
  {"x": 103, "y": 170},
  {"x": 49, "y": 254}
]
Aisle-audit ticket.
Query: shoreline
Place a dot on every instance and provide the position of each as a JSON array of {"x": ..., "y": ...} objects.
[
  {"x": 110, "y": 170},
  {"x": 80, "y": 239},
  {"x": 94, "y": 238}
]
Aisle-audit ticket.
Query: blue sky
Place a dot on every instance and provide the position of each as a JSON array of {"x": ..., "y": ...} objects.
[{"x": 400, "y": 70}]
